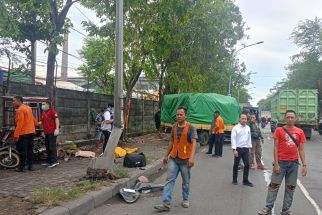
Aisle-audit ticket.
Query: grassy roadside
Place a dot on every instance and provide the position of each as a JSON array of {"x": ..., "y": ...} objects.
[{"x": 58, "y": 195}]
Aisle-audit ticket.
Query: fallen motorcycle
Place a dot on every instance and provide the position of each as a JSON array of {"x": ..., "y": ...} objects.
[{"x": 9, "y": 156}]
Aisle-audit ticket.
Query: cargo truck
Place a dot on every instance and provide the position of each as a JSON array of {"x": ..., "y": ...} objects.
[
  {"x": 303, "y": 101},
  {"x": 200, "y": 108}
]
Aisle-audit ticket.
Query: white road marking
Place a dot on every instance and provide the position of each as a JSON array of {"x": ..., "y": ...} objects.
[
  {"x": 267, "y": 176},
  {"x": 307, "y": 195}
]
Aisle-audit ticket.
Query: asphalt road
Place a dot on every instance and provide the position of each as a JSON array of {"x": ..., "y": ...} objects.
[{"x": 212, "y": 191}]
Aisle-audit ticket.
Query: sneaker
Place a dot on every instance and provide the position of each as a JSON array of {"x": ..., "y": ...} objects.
[
  {"x": 247, "y": 183},
  {"x": 53, "y": 165},
  {"x": 45, "y": 164},
  {"x": 162, "y": 208},
  {"x": 185, "y": 204},
  {"x": 265, "y": 211},
  {"x": 235, "y": 183}
]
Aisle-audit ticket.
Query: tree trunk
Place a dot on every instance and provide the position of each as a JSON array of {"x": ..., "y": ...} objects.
[
  {"x": 9, "y": 76},
  {"x": 161, "y": 84},
  {"x": 127, "y": 108},
  {"x": 33, "y": 61},
  {"x": 50, "y": 87}
]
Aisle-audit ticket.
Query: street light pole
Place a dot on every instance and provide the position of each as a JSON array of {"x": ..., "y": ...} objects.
[
  {"x": 106, "y": 161},
  {"x": 245, "y": 46}
]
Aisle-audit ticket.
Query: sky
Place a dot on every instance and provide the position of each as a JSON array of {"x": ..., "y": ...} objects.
[{"x": 272, "y": 21}]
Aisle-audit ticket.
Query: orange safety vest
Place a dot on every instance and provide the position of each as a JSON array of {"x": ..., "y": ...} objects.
[{"x": 182, "y": 148}]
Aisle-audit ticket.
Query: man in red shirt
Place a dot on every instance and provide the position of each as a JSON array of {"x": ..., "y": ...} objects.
[
  {"x": 50, "y": 122},
  {"x": 288, "y": 144}
]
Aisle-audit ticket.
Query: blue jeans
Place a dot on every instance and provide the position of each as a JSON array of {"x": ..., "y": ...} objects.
[
  {"x": 176, "y": 165},
  {"x": 289, "y": 170}
]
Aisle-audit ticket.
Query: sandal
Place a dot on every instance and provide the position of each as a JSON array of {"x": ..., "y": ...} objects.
[{"x": 265, "y": 211}]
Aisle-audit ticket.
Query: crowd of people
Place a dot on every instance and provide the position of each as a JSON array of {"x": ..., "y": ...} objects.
[{"x": 246, "y": 140}]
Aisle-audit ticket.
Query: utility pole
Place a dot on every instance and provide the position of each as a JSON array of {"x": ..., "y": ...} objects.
[
  {"x": 106, "y": 161},
  {"x": 234, "y": 53}
]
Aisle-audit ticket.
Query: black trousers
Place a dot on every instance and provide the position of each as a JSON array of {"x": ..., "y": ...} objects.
[
  {"x": 25, "y": 147},
  {"x": 211, "y": 142},
  {"x": 219, "y": 144},
  {"x": 106, "y": 137},
  {"x": 51, "y": 148},
  {"x": 243, "y": 153}
]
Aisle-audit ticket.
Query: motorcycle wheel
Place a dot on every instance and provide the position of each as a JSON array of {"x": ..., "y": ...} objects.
[{"x": 6, "y": 162}]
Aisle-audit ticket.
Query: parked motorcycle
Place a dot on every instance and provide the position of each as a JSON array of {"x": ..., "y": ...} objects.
[{"x": 9, "y": 156}]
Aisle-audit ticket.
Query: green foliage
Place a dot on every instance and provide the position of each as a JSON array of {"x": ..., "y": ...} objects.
[
  {"x": 305, "y": 71},
  {"x": 189, "y": 44},
  {"x": 99, "y": 55},
  {"x": 265, "y": 104}
]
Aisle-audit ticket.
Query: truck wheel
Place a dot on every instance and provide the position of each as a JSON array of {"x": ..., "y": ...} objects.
[{"x": 203, "y": 138}]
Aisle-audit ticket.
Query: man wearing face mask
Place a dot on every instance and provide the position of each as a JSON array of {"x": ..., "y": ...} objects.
[{"x": 50, "y": 122}]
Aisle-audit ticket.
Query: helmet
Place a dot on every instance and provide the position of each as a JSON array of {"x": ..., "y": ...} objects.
[{"x": 129, "y": 195}]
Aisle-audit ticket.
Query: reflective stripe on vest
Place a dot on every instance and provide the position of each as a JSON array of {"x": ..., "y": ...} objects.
[{"x": 182, "y": 148}]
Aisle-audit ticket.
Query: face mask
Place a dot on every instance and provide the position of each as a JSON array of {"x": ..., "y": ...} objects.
[{"x": 44, "y": 107}]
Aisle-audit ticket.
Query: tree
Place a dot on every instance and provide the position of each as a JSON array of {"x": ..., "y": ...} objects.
[
  {"x": 25, "y": 22},
  {"x": 57, "y": 16},
  {"x": 305, "y": 71},
  {"x": 186, "y": 45},
  {"x": 99, "y": 55},
  {"x": 35, "y": 20},
  {"x": 6, "y": 49}
]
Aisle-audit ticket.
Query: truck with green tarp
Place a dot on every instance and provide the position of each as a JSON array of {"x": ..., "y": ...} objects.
[
  {"x": 303, "y": 101},
  {"x": 200, "y": 109}
]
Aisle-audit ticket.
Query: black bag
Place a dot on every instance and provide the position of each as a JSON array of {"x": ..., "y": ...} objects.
[{"x": 134, "y": 160}]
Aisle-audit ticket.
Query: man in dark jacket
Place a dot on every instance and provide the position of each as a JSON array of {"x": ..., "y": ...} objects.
[{"x": 257, "y": 140}]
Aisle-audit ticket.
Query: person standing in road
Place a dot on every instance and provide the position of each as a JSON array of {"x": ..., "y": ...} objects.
[
  {"x": 289, "y": 143},
  {"x": 257, "y": 140},
  {"x": 24, "y": 133},
  {"x": 50, "y": 122},
  {"x": 219, "y": 131},
  {"x": 212, "y": 135},
  {"x": 180, "y": 157},
  {"x": 107, "y": 123},
  {"x": 241, "y": 143}
]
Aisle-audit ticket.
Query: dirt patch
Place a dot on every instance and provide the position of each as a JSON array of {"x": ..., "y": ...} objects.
[{"x": 10, "y": 205}]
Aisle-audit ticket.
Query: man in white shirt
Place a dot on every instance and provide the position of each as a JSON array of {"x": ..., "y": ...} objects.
[
  {"x": 241, "y": 143},
  {"x": 107, "y": 124}
]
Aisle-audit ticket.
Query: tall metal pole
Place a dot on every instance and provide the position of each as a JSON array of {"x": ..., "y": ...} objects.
[
  {"x": 106, "y": 161},
  {"x": 118, "y": 85},
  {"x": 253, "y": 44}
]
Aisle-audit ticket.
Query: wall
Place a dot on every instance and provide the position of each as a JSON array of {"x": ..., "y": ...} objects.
[{"x": 77, "y": 110}]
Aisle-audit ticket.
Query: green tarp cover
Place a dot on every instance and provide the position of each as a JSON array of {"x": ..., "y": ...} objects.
[{"x": 200, "y": 107}]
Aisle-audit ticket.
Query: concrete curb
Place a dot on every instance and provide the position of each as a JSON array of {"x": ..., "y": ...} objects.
[{"x": 94, "y": 199}]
